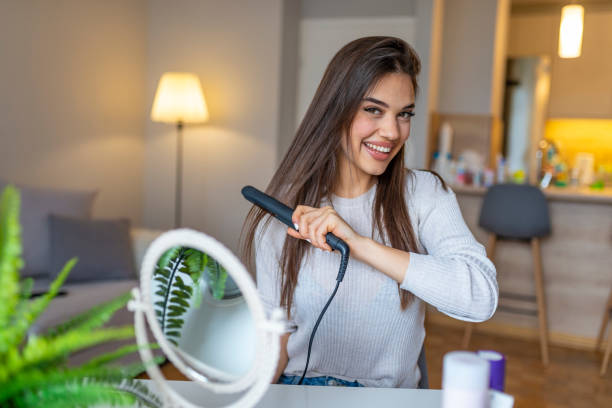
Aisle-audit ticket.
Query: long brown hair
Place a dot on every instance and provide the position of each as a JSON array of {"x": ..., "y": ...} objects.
[{"x": 307, "y": 173}]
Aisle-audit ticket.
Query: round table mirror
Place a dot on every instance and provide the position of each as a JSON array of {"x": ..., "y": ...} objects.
[{"x": 203, "y": 309}]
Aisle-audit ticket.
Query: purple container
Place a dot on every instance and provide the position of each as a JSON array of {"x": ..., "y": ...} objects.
[{"x": 497, "y": 362}]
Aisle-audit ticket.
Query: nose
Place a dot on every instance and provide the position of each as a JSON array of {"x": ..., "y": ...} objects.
[{"x": 389, "y": 128}]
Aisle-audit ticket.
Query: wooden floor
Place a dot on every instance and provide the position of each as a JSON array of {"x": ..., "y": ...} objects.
[{"x": 570, "y": 381}]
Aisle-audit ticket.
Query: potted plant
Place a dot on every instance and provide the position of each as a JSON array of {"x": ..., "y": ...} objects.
[{"x": 33, "y": 368}]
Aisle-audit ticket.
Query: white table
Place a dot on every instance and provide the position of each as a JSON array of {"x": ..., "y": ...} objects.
[{"x": 302, "y": 396}]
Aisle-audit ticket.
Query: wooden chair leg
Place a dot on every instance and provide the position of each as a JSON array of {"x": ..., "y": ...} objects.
[
  {"x": 606, "y": 360},
  {"x": 467, "y": 335},
  {"x": 539, "y": 283},
  {"x": 604, "y": 322},
  {"x": 469, "y": 326}
]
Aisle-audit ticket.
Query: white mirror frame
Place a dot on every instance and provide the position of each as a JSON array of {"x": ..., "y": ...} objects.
[{"x": 268, "y": 332}]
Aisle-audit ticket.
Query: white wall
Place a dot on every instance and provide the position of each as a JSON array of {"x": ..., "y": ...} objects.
[
  {"x": 472, "y": 56},
  {"x": 580, "y": 87},
  {"x": 72, "y": 98},
  {"x": 235, "y": 49},
  {"x": 356, "y": 8},
  {"x": 321, "y": 38},
  {"x": 328, "y": 25},
  {"x": 428, "y": 44}
]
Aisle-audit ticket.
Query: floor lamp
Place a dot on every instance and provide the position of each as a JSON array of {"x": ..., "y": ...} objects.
[{"x": 179, "y": 100}]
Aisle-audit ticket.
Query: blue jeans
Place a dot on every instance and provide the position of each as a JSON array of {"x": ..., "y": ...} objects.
[{"x": 325, "y": 380}]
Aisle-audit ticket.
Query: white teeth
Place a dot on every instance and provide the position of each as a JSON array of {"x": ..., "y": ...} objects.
[{"x": 379, "y": 148}]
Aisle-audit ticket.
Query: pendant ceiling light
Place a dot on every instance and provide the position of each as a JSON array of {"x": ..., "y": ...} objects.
[{"x": 570, "y": 32}]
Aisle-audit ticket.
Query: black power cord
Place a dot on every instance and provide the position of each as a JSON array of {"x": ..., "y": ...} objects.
[
  {"x": 343, "y": 264},
  {"x": 283, "y": 214}
]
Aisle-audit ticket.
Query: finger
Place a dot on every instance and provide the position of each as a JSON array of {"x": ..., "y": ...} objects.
[
  {"x": 293, "y": 233},
  {"x": 297, "y": 216},
  {"x": 318, "y": 230},
  {"x": 297, "y": 213},
  {"x": 326, "y": 226},
  {"x": 307, "y": 214}
]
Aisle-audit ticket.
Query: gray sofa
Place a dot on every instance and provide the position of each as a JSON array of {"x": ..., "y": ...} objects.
[
  {"x": 79, "y": 297},
  {"x": 58, "y": 225}
]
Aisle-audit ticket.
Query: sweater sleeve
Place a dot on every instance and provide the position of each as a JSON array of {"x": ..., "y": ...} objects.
[
  {"x": 268, "y": 244},
  {"x": 454, "y": 275}
]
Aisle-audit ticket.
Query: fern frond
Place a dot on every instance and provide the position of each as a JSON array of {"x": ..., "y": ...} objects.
[
  {"x": 171, "y": 304},
  {"x": 196, "y": 263},
  {"x": 41, "y": 350},
  {"x": 14, "y": 335},
  {"x": 92, "y": 318},
  {"x": 26, "y": 288},
  {"x": 75, "y": 394},
  {"x": 10, "y": 257},
  {"x": 217, "y": 276},
  {"x": 141, "y": 392},
  {"x": 35, "y": 378},
  {"x": 169, "y": 255},
  {"x": 114, "y": 355}
]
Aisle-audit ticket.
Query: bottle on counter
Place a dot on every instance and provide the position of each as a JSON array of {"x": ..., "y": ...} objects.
[
  {"x": 465, "y": 380},
  {"x": 501, "y": 169},
  {"x": 489, "y": 177},
  {"x": 460, "y": 176}
]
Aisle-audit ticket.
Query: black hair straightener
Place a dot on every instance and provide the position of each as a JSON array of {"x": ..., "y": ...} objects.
[{"x": 283, "y": 214}]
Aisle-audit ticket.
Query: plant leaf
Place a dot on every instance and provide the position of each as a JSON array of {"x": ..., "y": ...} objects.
[
  {"x": 41, "y": 350},
  {"x": 114, "y": 355},
  {"x": 10, "y": 256},
  {"x": 217, "y": 275},
  {"x": 93, "y": 318}
]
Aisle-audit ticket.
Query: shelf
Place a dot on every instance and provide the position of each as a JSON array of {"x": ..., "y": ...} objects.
[{"x": 573, "y": 194}]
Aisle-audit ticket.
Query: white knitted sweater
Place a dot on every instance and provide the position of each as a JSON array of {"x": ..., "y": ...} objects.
[{"x": 364, "y": 335}]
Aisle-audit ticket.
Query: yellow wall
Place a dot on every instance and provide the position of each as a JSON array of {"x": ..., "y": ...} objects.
[{"x": 582, "y": 135}]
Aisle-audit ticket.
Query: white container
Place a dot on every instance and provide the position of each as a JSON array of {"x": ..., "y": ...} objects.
[{"x": 465, "y": 381}]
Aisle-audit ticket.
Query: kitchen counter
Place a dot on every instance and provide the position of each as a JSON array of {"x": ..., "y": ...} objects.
[
  {"x": 574, "y": 194},
  {"x": 576, "y": 260}
]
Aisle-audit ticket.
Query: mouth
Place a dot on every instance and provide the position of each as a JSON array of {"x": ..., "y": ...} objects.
[{"x": 378, "y": 152}]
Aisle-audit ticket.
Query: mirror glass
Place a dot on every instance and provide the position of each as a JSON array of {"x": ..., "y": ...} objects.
[{"x": 202, "y": 314}]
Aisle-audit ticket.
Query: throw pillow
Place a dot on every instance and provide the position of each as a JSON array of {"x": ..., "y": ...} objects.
[
  {"x": 36, "y": 205},
  {"x": 104, "y": 248}
]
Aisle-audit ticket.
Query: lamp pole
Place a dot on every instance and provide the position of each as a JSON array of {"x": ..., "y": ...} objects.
[{"x": 179, "y": 175}]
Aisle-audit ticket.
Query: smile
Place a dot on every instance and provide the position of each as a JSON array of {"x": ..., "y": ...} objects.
[{"x": 378, "y": 148}]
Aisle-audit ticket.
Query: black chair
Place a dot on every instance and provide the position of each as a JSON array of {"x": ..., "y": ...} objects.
[
  {"x": 518, "y": 212},
  {"x": 422, "y": 364}
]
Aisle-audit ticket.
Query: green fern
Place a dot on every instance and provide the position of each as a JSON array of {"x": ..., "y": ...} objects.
[
  {"x": 33, "y": 369},
  {"x": 174, "y": 268},
  {"x": 173, "y": 292},
  {"x": 217, "y": 276}
]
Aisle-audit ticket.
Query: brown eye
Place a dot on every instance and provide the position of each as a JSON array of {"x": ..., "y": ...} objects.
[{"x": 374, "y": 111}]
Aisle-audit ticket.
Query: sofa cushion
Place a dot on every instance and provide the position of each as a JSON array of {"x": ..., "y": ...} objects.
[
  {"x": 80, "y": 297},
  {"x": 104, "y": 248},
  {"x": 36, "y": 205}
]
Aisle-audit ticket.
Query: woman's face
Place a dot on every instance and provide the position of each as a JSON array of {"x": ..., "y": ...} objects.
[{"x": 380, "y": 127}]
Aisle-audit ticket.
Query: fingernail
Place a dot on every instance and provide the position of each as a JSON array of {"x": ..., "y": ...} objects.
[
  {"x": 308, "y": 241},
  {"x": 297, "y": 227}
]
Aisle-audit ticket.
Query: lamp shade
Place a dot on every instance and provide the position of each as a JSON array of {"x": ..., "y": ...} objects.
[
  {"x": 179, "y": 98},
  {"x": 570, "y": 32}
]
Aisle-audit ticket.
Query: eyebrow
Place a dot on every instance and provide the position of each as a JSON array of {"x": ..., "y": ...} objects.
[{"x": 374, "y": 100}]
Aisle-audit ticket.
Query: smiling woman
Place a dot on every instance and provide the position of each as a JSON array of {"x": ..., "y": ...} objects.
[
  {"x": 379, "y": 130},
  {"x": 344, "y": 173}
]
